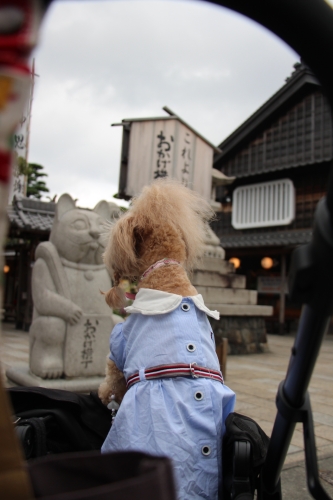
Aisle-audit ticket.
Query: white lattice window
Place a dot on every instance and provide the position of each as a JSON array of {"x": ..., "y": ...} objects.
[{"x": 263, "y": 205}]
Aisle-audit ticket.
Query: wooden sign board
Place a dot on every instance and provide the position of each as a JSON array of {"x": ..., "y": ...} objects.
[{"x": 164, "y": 147}]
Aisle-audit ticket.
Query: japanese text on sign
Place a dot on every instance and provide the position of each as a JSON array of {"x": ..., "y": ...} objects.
[
  {"x": 88, "y": 343},
  {"x": 164, "y": 150},
  {"x": 187, "y": 158}
]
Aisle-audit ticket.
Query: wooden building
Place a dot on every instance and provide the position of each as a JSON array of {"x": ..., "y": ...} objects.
[
  {"x": 30, "y": 222},
  {"x": 280, "y": 156}
]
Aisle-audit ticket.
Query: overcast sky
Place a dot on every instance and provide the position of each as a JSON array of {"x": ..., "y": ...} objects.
[{"x": 101, "y": 61}]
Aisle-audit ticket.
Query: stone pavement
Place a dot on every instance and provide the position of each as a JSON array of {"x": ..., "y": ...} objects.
[{"x": 255, "y": 379}]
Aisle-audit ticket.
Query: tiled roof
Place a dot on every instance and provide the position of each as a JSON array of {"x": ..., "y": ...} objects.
[
  {"x": 31, "y": 215},
  {"x": 268, "y": 239}
]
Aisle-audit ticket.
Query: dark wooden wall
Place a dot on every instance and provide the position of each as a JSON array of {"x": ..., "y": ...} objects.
[
  {"x": 301, "y": 136},
  {"x": 310, "y": 184}
]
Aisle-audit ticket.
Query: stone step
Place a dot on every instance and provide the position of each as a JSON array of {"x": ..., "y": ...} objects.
[
  {"x": 227, "y": 295},
  {"x": 208, "y": 278},
  {"x": 240, "y": 310},
  {"x": 212, "y": 264}
]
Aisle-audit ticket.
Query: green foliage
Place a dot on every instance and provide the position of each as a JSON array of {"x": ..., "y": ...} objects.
[
  {"x": 34, "y": 172},
  {"x": 122, "y": 209},
  {"x": 22, "y": 166}
]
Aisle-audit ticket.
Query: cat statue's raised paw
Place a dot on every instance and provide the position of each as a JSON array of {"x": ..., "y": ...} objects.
[{"x": 71, "y": 324}]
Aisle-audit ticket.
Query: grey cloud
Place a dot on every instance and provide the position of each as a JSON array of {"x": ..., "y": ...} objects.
[{"x": 100, "y": 62}]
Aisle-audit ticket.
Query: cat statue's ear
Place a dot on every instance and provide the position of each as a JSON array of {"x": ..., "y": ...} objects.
[
  {"x": 65, "y": 203},
  {"x": 106, "y": 209},
  {"x": 102, "y": 208}
]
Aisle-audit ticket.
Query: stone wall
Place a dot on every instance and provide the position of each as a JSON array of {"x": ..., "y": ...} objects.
[
  {"x": 245, "y": 334},
  {"x": 242, "y": 320}
]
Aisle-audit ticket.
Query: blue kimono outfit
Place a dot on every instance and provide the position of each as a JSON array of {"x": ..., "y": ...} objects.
[{"x": 182, "y": 418}]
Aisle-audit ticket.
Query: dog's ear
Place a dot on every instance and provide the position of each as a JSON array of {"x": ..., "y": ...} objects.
[
  {"x": 120, "y": 253},
  {"x": 140, "y": 237},
  {"x": 115, "y": 297},
  {"x": 120, "y": 258}
]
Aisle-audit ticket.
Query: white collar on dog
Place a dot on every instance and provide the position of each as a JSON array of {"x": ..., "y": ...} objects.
[{"x": 151, "y": 302}]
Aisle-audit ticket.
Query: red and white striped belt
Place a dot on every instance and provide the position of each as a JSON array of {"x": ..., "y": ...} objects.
[{"x": 174, "y": 370}]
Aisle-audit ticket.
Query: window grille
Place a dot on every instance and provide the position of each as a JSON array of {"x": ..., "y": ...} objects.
[{"x": 264, "y": 205}]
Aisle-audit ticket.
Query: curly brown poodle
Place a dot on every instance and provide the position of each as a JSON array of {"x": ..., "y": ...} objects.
[{"x": 167, "y": 221}]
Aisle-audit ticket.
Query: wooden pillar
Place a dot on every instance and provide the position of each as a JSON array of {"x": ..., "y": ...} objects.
[
  {"x": 282, "y": 296},
  {"x": 222, "y": 351}
]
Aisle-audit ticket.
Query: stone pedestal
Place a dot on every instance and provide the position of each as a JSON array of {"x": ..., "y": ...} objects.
[
  {"x": 79, "y": 362},
  {"x": 245, "y": 334},
  {"x": 24, "y": 377},
  {"x": 241, "y": 318}
]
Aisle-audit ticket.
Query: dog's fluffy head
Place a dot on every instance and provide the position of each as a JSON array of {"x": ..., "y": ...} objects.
[{"x": 166, "y": 220}]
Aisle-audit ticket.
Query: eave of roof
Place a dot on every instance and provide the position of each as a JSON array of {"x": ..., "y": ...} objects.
[
  {"x": 268, "y": 239},
  {"x": 29, "y": 215},
  {"x": 256, "y": 122},
  {"x": 172, "y": 116}
]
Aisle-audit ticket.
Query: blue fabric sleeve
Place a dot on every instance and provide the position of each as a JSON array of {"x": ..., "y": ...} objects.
[{"x": 117, "y": 346}]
